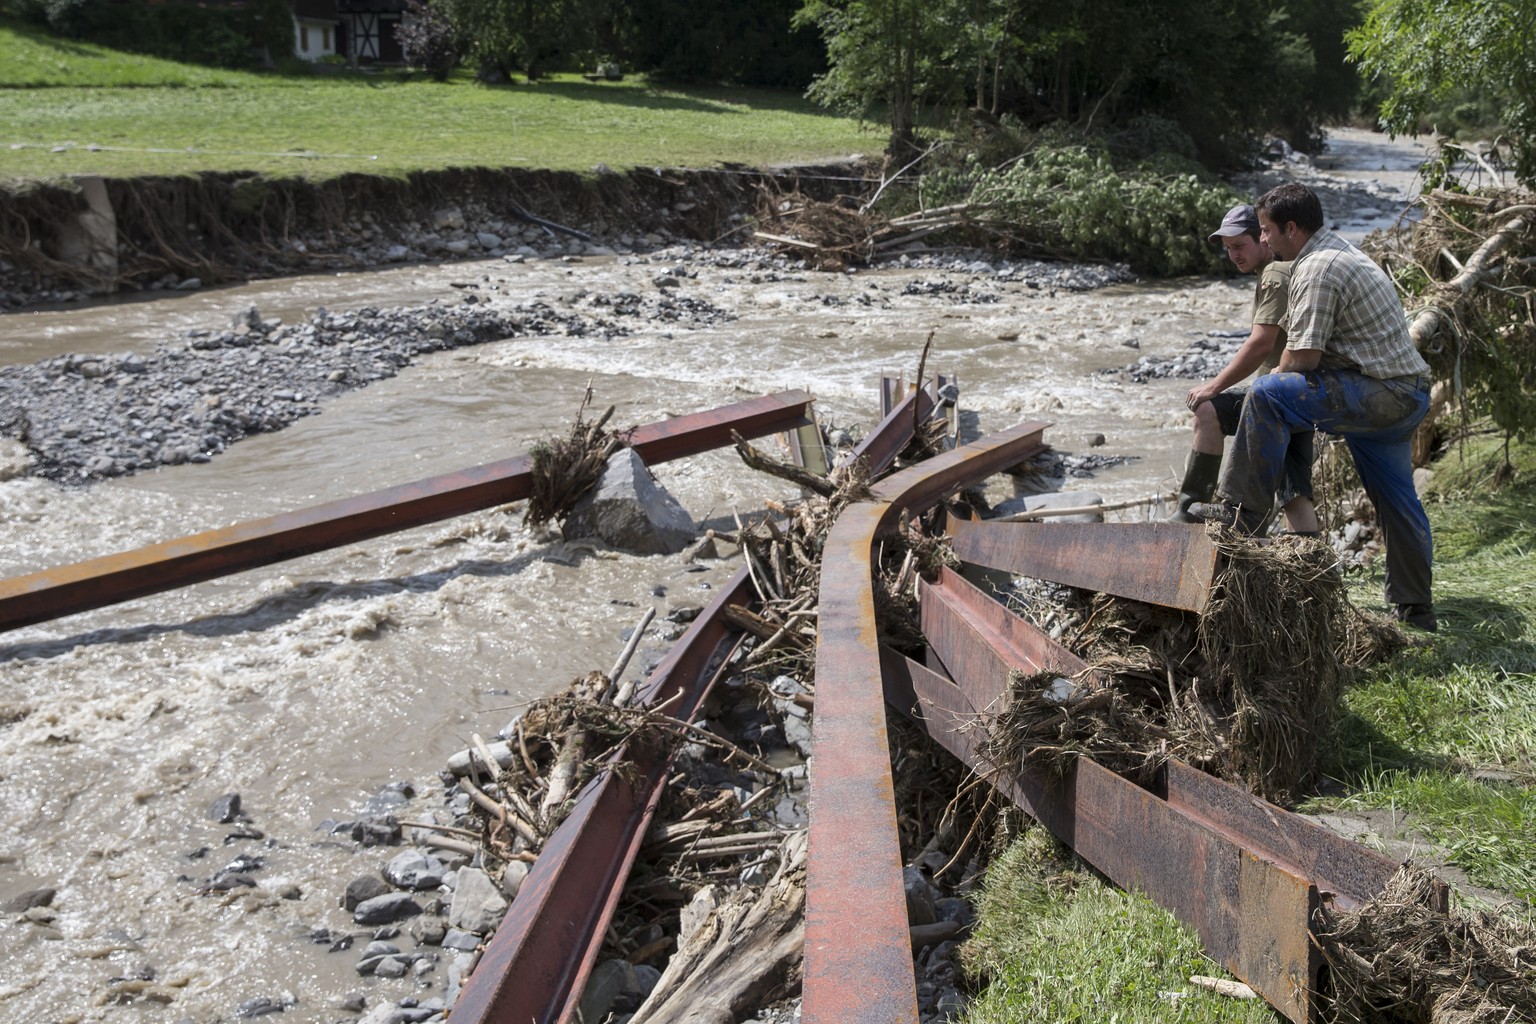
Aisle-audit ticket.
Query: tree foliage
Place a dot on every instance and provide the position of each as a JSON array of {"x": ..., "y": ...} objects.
[
  {"x": 428, "y": 38},
  {"x": 1067, "y": 197},
  {"x": 1225, "y": 71},
  {"x": 531, "y": 36},
  {"x": 714, "y": 41},
  {"x": 1426, "y": 51}
]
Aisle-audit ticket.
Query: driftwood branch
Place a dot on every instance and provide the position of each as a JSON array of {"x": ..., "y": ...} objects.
[
  {"x": 1427, "y": 323},
  {"x": 783, "y": 470}
]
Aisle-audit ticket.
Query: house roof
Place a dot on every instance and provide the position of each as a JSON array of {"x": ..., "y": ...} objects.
[{"x": 324, "y": 10}]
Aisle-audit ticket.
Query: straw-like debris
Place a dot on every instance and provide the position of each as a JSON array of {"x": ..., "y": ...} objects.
[
  {"x": 1399, "y": 959},
  {"x": 1247, "y": 690},
  {"x": 565, "y": 469}
]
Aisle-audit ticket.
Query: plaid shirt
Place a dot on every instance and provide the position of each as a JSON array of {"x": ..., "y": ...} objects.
[{"x": 1343, "y": 304}]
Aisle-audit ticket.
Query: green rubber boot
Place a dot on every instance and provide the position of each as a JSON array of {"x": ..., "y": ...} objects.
[{"x": 1200, "y": 474}]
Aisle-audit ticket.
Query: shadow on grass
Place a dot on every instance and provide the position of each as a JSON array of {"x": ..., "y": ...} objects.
[{"x": 1360, "y": 751}]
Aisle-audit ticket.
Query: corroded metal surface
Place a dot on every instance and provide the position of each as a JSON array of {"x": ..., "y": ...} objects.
[
  {"x": 536, "y": 967},
  {"x": 880, "y": 446},
  {"x": 858, "y": 959},
  {"x": 1169, "y": 564},
  {"x": 979, "y": 641},
  {"x": 111, "y": 579},
  {"x": 1247, "y": 875}
]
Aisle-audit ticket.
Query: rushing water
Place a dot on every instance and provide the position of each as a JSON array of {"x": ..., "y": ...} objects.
[{"x": 307, "y": 686}]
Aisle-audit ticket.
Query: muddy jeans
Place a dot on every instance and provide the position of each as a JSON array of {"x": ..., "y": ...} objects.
[
  {"x": 1296, "y": 479},
  {"x": 1376, "y": 418}
]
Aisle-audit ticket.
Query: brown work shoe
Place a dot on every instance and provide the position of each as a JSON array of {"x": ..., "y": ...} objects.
[
  {"x": 1421, "y": 616},
  {"x": 1238, "y": 518}
]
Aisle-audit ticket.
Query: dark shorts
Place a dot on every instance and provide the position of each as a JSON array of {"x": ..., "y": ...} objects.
[{"x": 1296, "y": 481}]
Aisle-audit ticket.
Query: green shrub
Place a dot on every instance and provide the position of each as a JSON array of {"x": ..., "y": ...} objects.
[{"x": 1072, "y": 201}]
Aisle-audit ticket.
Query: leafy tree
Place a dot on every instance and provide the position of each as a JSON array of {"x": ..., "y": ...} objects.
[
  {"x": 876, "y": 49},
  {"x": 533, "y": 36},
  {"x": 743, "y": 42},
  {"x": 1427, "y": 50},
  {"x": 428, "y": 38}
]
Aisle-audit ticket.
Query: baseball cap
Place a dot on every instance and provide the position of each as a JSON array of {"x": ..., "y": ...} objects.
[{"x": 1239, "y": 220}]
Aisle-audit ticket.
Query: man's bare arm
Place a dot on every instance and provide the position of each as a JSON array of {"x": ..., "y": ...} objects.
[
  {"x": 1300, "y": 360},
  {"x": 1260, "y": 343}
]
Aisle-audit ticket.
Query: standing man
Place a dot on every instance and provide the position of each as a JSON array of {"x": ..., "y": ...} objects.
[
  {"x": 1217, "y": 404},
  {"x": 1349, "y": 368}
]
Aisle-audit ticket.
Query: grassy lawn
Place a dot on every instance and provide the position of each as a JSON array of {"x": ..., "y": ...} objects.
[
  {"x": 1446, "y": 734},
  {"x": 72, "y": 108},
  {"x": 1444, "y": 737}
]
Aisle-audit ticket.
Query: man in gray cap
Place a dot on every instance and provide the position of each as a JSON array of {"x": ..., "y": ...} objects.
[{"x": 1218, "y": 403}]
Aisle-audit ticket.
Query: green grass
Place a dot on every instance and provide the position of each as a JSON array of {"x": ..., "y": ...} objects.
[
  {"x": 1053, "y": 943},
  {"x": 1446, "y": 733},
  {"x": 67, "y": 108}
]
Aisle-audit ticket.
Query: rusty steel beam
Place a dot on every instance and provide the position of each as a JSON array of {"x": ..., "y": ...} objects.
[
  {"x": 1169, "y": 564},
  {"x": 112, "y": 579},
  {"x": 537, "y": 965},
  {"x": 858, "y": 957},
  {"x": 976, "y": 638},
  {"x": 1248, "y": 876},
  {"x": 880, "y": 446}
]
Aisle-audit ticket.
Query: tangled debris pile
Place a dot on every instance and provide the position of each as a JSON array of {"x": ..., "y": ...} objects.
[
  {"x": 1399, "y": 959},
  {"x": 1246, "y": 690}
]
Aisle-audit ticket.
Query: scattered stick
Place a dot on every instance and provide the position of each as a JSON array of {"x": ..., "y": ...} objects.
[{"x": 1221, "y": 986}]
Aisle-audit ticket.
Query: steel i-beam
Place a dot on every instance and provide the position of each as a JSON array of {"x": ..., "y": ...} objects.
[{"x": 112, "y": 579}]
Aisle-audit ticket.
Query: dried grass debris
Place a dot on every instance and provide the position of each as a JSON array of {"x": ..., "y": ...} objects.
[
  {"x": 1399, "y": 959},
  {"x": 1248, "y": 690}
]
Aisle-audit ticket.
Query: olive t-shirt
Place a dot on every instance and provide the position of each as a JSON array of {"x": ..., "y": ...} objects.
[{"x": 1269, "y": 303}]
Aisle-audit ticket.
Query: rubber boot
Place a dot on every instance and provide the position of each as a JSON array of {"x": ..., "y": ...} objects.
[{"x": 1200, "y": 474}]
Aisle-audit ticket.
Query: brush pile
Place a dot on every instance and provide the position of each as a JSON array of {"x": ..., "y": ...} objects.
[
  {"x": 1400, "y": 959},
  {"x": 565, "y": 469},
  {"x": 1247, "y": 690}
]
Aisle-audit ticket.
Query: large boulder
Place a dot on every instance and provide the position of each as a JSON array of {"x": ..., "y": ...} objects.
[{"x": 629, "y": 510}]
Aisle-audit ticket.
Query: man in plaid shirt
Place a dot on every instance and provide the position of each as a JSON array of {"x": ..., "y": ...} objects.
[{"x": 1349, "y": 368}]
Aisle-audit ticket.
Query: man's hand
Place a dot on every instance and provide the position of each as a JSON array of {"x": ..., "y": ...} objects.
[{"x": 1204, "y": 393}]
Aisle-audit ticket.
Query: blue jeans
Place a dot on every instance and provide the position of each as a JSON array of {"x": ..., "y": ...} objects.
[{"x": 1376, "y": 418}]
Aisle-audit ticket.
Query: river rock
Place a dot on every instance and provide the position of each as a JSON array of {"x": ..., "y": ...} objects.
[
  {"x": 414, "y": 869},
  {"x": 488, "y": 240},
  {"x": 25, "y": 901},
  {"x": 512, "y": 878},
  {"x": 630, "y": 511},
  {"x": 226, "y": 809},
  {"x": 448, "y": 218},
  {"x": 478, "y": 906},
  {"x": 393, "y": 906},
  {"x": 920, "y": 896},
  {"x": 362, "y": 889}
]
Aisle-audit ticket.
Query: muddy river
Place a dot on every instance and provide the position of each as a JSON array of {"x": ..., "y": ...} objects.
[{"x": 309, "y": 686}]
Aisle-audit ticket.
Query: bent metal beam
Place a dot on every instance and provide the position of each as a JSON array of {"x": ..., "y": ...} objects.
[
  {"x": 112, "y": 579},
  {"x": 858, "y": 956}
]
